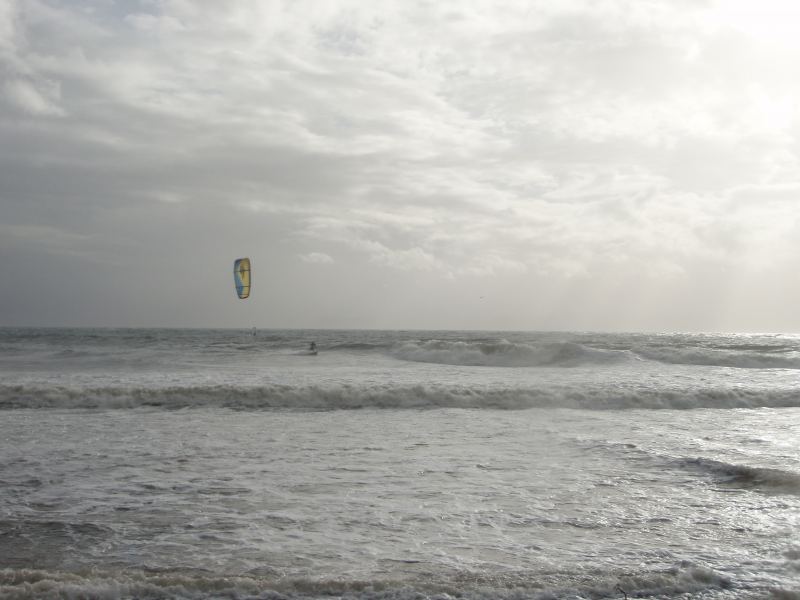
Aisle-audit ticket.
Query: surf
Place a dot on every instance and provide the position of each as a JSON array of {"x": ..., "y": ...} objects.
[
  {"x": 745, "y": 476},
  {"x": 418, "y": 396},
  {"x": 132, "y": 583},
  {"x": 503, "y": 353}
]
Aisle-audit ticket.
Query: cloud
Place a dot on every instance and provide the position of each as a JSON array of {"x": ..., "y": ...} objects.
[
  {"x": 569, "y": 143},
  {"x": 25, "y": 97},
  {"x": 318, "y": 258},
  {"x": 407, "y": 259}
]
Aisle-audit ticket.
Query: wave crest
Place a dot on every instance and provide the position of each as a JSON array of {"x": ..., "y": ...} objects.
[
  {"x": 744, "y": 476},
  {"x": 388, "y": 396},
  {"x": 132, "y": 583},
  {"x": 767, "y": 358},
  {"x": 502, "y": 353}
]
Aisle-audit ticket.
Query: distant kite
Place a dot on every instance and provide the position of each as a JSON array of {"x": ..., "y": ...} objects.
[{"x": 241, "y": 276}]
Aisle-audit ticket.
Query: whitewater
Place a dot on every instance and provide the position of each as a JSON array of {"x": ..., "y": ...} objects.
[{"x": 165, "y": 463}]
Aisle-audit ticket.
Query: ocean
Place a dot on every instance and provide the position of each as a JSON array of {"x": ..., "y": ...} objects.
[{"x": 167, "y": 463}]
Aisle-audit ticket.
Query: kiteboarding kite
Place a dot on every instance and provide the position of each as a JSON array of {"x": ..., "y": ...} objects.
[{"x": 241, "y": 277}]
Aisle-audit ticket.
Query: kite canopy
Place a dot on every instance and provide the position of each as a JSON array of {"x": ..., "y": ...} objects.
[{"x": 241, "y": 276}]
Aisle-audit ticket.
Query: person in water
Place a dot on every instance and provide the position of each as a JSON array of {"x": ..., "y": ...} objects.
[{"x": 312, "y": 347}]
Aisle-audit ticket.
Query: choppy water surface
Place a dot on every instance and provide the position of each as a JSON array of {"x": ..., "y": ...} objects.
[{"x": 195, "y": 464}]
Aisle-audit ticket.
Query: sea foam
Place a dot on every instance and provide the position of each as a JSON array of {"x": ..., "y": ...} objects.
[
  {"x": 391, "y": 396},
  {"x": 680, "y": 580},
  {"x": 504, "y": 353}
]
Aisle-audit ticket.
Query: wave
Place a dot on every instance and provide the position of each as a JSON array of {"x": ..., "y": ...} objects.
[
  {"x": 747, "y": 477},
  {"x": 389, "y": 396},
  {"x": 755, "y": 358},
  {"x": 502, "y": 353},
  {"x": 685, "y": 579},
  {"x": 75, "y": 348}
]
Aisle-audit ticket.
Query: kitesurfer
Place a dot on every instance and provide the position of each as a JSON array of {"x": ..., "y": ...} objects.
[{"x": 312, "y": 347}]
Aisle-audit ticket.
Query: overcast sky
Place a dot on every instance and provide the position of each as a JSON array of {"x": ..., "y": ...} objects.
[{"x": 557, "y": 165}]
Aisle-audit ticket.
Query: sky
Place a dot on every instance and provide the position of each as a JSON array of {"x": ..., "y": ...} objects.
[{"x": 604, "y": 165}]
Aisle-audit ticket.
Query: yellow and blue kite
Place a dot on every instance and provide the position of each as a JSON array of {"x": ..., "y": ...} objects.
[{"x": 241, "y": 276}]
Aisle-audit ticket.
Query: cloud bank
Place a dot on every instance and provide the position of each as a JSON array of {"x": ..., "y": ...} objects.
[{"x": 573, "y": 165}]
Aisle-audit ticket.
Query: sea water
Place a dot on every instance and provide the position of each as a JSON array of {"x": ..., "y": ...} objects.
[{"x": 398, "y": 464}]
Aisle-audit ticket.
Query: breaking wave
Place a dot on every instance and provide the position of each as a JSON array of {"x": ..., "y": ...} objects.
[
  {"x": 390, "y": 396},
  {"x": 756, "y": 358},
  {"x": 743, "y": 476},
  {"x": 680, "y": 580},
  {"x": 502, "y": 353}
]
